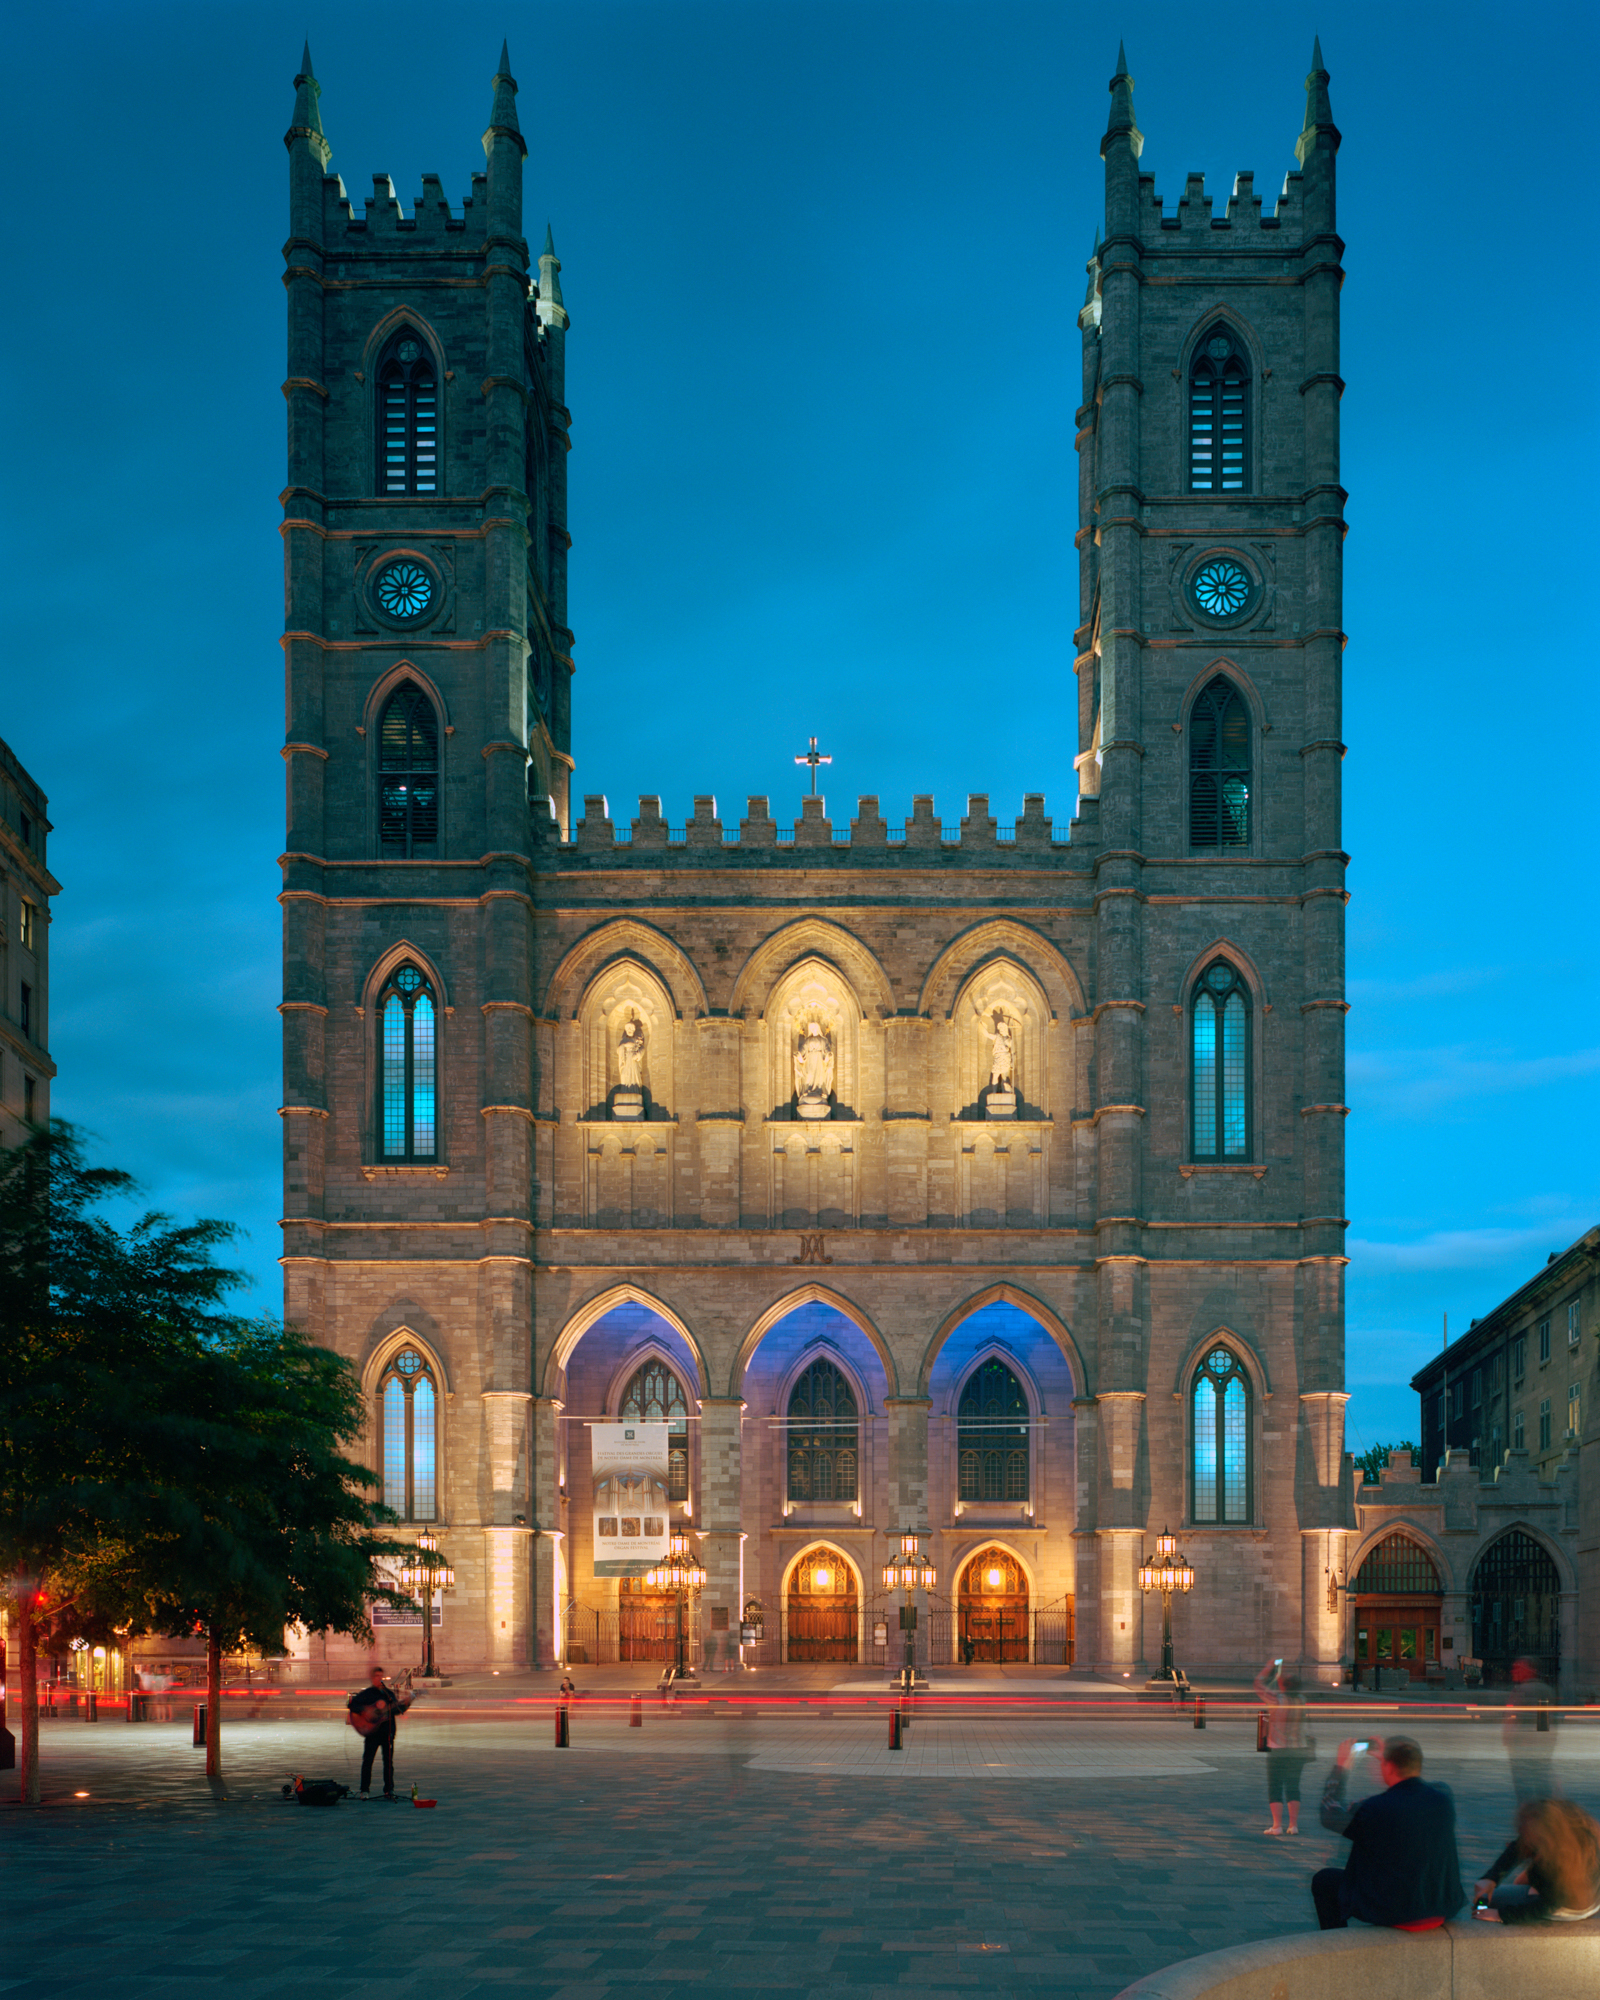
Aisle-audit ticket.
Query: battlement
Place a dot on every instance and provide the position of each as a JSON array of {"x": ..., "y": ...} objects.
[
  {"x": 651, "y": 840},
  {"x": 1194, "y": 215},
  {"x": 431, "y": 215}
]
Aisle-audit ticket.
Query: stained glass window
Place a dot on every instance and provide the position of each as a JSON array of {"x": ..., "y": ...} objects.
[
  {"x": 407, "y": 1068},
  {"x": 408, "y": 775},
  {"x": 1221, "y": 1440},
  {"x": 1219, "y": 767},
  {"x": 1397, "y": 1567},
  {"x": 823, "y": 1438},
  {"x": 992, "y": 1435},
  {"x": 1221, "y": 1065},
  {"x": 408, "y": 419},
  {"x": 408, "y": 1404},
  {"x": 1219, "y": 413},
  {"x": 655, "y": 1396}
]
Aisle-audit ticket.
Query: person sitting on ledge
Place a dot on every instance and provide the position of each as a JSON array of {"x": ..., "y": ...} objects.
[
  {"x": 1403, "y": 1870},
  {"x": 1557, "y": 1847}
]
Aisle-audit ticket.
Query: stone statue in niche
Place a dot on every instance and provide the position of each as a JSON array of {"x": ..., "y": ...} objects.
[
  {"x": 813, "y": 1071},
  {"x": 1000, "y": 1099},
  {"x": 627, "y": 1100}
]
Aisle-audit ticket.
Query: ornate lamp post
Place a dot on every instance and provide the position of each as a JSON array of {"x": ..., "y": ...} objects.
[
  {"x": 680, "y": 1573},
  {"x": 423, "y": 1572},
  {"x": 1169, "y": 1572},
  {"x": 910, "y": 1571}
]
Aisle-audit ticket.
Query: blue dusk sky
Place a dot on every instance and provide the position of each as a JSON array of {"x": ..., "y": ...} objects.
[{"x": 824, "y": 264}]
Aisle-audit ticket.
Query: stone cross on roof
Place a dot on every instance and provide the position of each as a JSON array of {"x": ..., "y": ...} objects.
[{"x": 813, "y": 757}]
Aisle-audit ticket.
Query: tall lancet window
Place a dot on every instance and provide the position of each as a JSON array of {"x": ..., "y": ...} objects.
[
  {"x": 992, "y": 1435},
  {"x": 1219, "y": 767},
  {"x": 655, "y": 1396},
  {"x": 408, "y": 419},
  {"x": 1221, "y": 1476},
  {"x": 408, "y": 774},
  {"x": 1219, "y": 416},
  {"x": 1220, "y": 1017},
  {"x": 408, "y": 1068},
  {"x": 409, "y": 1406},
  {"x": 823, "y": 1435}
]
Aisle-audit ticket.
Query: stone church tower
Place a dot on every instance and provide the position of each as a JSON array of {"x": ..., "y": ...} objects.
[{"x": 979, "y": 1181}]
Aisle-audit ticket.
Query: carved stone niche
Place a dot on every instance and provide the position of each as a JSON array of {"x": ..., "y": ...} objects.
[
  {"x": 812, "y": 1025},
  {"x": 627, "y": 1022},
  {"x": 999, "y": 1022}
]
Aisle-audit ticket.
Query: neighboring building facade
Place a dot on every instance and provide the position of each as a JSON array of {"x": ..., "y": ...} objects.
[
  {"x": 26, "y": 887},
  {"x": 982, "y": 1182}
]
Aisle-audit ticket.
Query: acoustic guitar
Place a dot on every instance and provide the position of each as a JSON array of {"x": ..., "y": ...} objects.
[{"x": 365, "y": 1720}]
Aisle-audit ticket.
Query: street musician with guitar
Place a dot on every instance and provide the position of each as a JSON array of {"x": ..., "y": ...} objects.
[{"x": 374, "y": 1711}]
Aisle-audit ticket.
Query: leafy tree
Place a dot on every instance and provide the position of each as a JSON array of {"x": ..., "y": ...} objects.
[{"x": 1370, "y": 1463}]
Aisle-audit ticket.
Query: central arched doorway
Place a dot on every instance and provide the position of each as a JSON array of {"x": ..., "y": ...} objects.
[
  {"x": 824, "y": 1609},
  {"x": 1516, "y": 1608},
  {"x": 992, "y": 1609},
  {"x": 1398, "y": 1602},
  {"x": 647, "y": 1621}
]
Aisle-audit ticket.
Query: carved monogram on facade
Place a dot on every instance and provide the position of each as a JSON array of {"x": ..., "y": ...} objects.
[{"x": 811, "y": 1251}]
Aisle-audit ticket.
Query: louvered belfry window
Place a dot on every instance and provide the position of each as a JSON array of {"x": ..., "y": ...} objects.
[
  {"x": 408, "y": 1066},
  {"x": 1221, "y": 1068},
  {"x": 1219, "y": 411},
  {"x": 408, "y": 778},
  {"x": 408, "y": 419},
  {"x": 1219, "y": 767}
]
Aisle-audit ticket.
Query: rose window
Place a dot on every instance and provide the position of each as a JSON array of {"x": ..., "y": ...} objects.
[
  {"x": 404, "y": 589},
  {"x": 1221, "y": 588}
]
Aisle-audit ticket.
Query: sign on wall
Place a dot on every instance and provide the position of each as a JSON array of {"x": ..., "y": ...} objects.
[
  {"x": 402, "y": 1614},
  {"x": 630, "y": 1497}
]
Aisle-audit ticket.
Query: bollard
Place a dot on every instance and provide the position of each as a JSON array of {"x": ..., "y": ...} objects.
[
  {"x": 199, "y": 1725},
  {"x": 1199, "y": 1713},
  {"x": 562, "y": 1740},
  {"x": 894, "y": 1729},
  {"x": 1261, "y": 1730},
  {"x": 137, "y": 1704},
  {"x": 636, "y": 1712},
  {"x": 94, "y": 1706},
  {"x": 1542, "y": 1726}
]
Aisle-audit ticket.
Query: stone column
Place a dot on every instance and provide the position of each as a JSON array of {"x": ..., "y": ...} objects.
[
  {"x": 721, "y": 1509},
  {"x": 546, "y": 1532},
  {"x": 1121, "y": 1609},
  {"x": 908, "y": 1463}
]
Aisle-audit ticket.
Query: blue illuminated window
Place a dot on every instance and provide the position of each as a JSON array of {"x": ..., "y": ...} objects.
[
  {"x": 992, "y": 1435},
  {"x": 408, "y": 1068},
  {"x": 655, "y": 1396},
  {"x": 823, "y": 1436},
  {"x": 1220, "y": 1021},
  {"x": 1221, "y": 1465},
  {"x": 409, "y": 1407}
]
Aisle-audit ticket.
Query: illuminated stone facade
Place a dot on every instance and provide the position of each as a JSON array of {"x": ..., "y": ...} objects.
[{"x": 925, "y": 1103}]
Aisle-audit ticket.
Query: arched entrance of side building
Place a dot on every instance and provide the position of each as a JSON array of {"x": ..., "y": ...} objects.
[
  {"x": 992, "y": 1609},
  {"x": 823, "y": 1609},
  {"x": 1515, "y": 1599},
  {"x": 1398, "y": 1604}
]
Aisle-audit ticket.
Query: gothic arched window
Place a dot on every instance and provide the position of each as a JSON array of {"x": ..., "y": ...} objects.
[
  {"x": 992, "y": 1435},
  {"x": 409, "y": 1405},
  {"x": 823, "y": 1437},
  {"x": 408, "y": 418},
  {"x": 408, "y": 1064},
  {"x": 1219, "y": 767},
  {"x": 1220, "y": 1023},
  {"x": 655, "y": 1396},
  {"x": 1221, "y": 1463},
  {"x": 408, "y": 774},
  {"x": 1219, "y": 416}
]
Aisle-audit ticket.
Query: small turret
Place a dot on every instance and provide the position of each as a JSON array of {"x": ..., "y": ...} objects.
[
  {"x": 551, "y": 310},
  {"x": 306, "y": 124},
  {"x": 1121, "y": 123},
  {"x": 1319, "y": 112},
  {"x": 1090, "y": 314},
  {"x": 506, "y": 149}
]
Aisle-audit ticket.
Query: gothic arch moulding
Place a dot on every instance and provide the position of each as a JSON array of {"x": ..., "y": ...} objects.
[
  {"x": 395, "y": 955},
  {"x": 812, "y": 1019},
  {"x": 1540, "y": 1537},
  {"x": 981, "y": 1539},
  {"x": 824, "y": 943},
  {"x": 994, "y": 1350},
  {"x": 383, "y": 1347},
  {"x": 1414, "y": 1532},
  {"x": 648, "y": 1350},
  {"x": 627, "y": 1028},
  {"x": 1001, "y": 1021},
  {"x": 410, "y": 320},
  {"x": 820, "y": 1348},
  {"x": 1013, "y": 1295},
  {"x": 1223, "y": 947},
  {"x": 1241, "y": 328},
  {"x": 593, "y": 1310},
  {"x": 621, "y": 938},
  {"x": 805, "y": 1295},
  {"x": 1254, "y": 700},
  {"x": 1239, "y": 1344},
  {"x": 385, "y": 330},
  {"x": 385, "y": 685},
  {"x": 1001, "y": 938}
]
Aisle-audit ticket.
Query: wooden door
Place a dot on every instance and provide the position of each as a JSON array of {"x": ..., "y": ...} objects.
[
  {"x": 824, "y": 1613},
  {"x": 992, "y": 1609}
]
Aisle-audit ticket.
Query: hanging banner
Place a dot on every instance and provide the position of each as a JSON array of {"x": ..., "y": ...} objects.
[{"x": 630, "y": 1497}]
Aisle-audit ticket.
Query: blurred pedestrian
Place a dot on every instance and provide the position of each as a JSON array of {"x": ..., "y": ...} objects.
[
  {"x": 1403, "y": 1869},
  {"x": 1286, "y": 1742},
  {"x": 1528, "y": 1731},
  {"x": 1557, "y": 1849}
]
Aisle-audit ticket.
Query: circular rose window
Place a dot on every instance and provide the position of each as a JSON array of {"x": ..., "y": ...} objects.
[
  {"x": 403, "y": 589},
  {"x": 1221, "y": 587}
]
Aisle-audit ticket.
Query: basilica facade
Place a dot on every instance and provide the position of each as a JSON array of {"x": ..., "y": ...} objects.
[{"x": 978, "y": 1178}]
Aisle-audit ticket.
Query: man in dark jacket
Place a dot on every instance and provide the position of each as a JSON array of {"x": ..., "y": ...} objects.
[
  {"x": 1403, "y": 1869},
  {"x": 374, "y": 1710}
]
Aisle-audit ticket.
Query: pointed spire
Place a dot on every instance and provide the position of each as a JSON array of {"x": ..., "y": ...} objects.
[
  {"x": 503, "y": 112},
  {"x": 551, "y": 308},
  {"x": 307, "y": 121},
  {"x": 1319, "y": 111},
  {"x": 1121, "y": 123},
  {"x": 549, "y": 249}
]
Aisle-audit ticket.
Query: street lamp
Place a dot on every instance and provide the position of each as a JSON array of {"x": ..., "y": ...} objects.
[
  {"x": 423, "y": 1572},
  {"x": 1169, "y": 1572},
  {"x": 911, "y": 1571},
  {"x": 680, "y": 1573}
]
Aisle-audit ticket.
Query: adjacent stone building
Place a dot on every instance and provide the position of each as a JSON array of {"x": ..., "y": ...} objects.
[
  {"x": 26, "y": 887},
  {"x": 982, "y": 1180}
]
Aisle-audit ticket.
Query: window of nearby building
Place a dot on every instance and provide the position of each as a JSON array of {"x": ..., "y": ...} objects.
[
  {"x": 409, "y": 1405},
  {"x": 1518, "y": 1442},
  {"x": 655, "y": 1396},
  {"x": 25, "y": 829},
  {"x": 408, "y": 1068},
  {"x": 1496, "y": 1369},
  {"x": 1458, "y": 1394},
  {"x": 1219, "y": 767},
  {"x": 408, "y": 419},
  {"x": 28, "y": 929},
  {"x": 823, "y": 1438},
  {"x": 27, "y": 1099},
  {"x": 1477, "y": 1388},
  {"x": 1519, "y": 1356},
  {"x": 25, "y": 1009},
  {"x": 1494, "y": 1445},
  {"x": 1544, "y": 1340},
  {"x": 1219, "y": 397},
  {"x": 1574, "y": 1323},
  {"x": 1220, "y": 1023},
  {"x": 1574, "y": 1411},
  {"x": 1544, "y": 1424},
  {"x": 408, "y": 776},
  {"x": 992, "y": 1435},
  {"x": 1220, "y": 1465}
]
